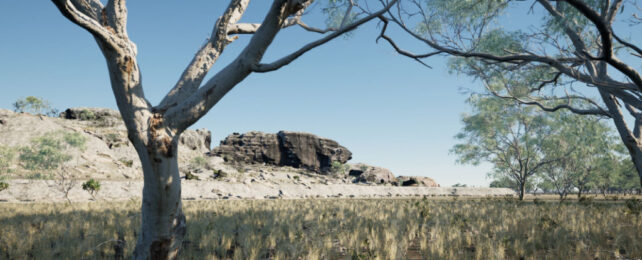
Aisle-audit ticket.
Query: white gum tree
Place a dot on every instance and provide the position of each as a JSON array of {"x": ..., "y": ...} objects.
[{"x": 154, "y": 130}]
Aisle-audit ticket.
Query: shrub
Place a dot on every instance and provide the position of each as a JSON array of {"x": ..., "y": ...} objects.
[
  {"x": 49, "y": 152},
  {"x": 190, "y": 176},
  {"x": 198, "y": 162},
  {"x": 86, "y": 115},
  {"x": 126, "y": 162},
  {"x": 3, "y": 185},
  {"x": 7, "y": 154},
  {"x": 338, "y": 168},
  {"x": 219, "y": 174},
  {"x": 92, "y": 186},
  {"x": 33, "y": 105},
  {"x": 633, "y": 207}
]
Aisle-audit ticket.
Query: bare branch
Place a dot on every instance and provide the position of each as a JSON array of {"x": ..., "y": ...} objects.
[
  {"x": 87, "y": 22},
  {"x": 291, "y": 57},
  {"x": 416, "y": 57}
]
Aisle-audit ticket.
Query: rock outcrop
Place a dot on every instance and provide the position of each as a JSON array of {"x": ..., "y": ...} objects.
[
  {"x": 371, "y": 174},
  {"x": 200, "y": 139},
  {"x": 416, "y": 181},
  {"x": 299, "y": 150}
]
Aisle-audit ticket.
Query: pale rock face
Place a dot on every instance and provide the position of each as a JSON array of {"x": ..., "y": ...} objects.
[
  {"x": 416, "y": 181},
  {"x": 371, "y": 174},
  {"x": 108, "y": 154}
]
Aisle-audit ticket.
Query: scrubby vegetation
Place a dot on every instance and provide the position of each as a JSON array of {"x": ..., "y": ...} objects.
[
  {"x": 337, "y": 229},
  {"x": 34, "y": 105},
  {"x": 92, "y": 186}
]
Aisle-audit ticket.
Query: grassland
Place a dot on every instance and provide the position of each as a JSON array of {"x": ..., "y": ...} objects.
[{"x": 336, "y": 229}]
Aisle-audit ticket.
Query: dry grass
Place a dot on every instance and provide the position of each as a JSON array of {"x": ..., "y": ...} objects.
[{"x": 336, "y": 229}]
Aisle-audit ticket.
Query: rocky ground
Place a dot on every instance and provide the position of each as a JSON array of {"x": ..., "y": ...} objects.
[
  {"x": 48, "y": 191},
  {"x": 250, "y": 165}
]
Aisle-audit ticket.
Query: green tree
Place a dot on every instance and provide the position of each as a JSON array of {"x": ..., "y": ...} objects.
[
  {"x": 588, "y": 148},
  {"x": 509, "y": 136},
  {"x": 49, "y": 151},
  {"x": 34, "y": 105},
  {"x": 575, "y": 57}
]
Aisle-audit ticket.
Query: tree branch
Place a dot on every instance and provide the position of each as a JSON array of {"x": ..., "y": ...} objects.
[
  {"x": 291, "y": 57},
  {"x": 87, "y": 20},
  {"x": 205, "y": 58}
]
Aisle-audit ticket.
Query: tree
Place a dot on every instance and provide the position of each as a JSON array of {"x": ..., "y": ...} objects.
[
  {"x": 155, "y": 130},
  {"x": 34, "y": 105},
  {"x": 49, "y": 152},
  {"x": 589, "y": 147},
  {"x": 92, "y": 186},
  {"x": 576, "y": 46},
  {"x": 511, "y": 137}
]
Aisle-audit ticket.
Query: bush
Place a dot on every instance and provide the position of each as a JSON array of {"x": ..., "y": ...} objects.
[
  {"x": 34, "y": 105},
  {"x": 198, "y": 162},
  {"x": 338, "y": 168},
  {"x": 92, "y": 186},
  {"x": 633, "y": 207},
  {"x": 86, "y": 115},
  {"x": 126, "y": 162},
  {"x": 49, "y": 152},
  {"x": 219, "y": 174},
  {"x": 3, "y": 185},
  {"x": 190, "y": 176},
  {"x": 7, "y": 154}
]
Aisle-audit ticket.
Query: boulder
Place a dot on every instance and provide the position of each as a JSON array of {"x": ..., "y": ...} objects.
[
  {"x": 299, "y": 150},
  {"x": 376, "y": 175},
  {"x": 199, "y": 139},
  {"x": 87, "y": 113},
  {"x": 251, "y": 147},
  {"x": 304, "y": 150},
  {"x": 416, "y": 181}
]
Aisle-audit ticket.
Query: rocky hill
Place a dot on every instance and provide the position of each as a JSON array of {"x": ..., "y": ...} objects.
[{"x": 93, "y": 143}]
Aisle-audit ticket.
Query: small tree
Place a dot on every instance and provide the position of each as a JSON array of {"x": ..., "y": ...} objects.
[
  {"x": 49, "y": 152},
  {"x": 509, "y": 136},
  {"x": 92, "y": 186},
  {"x": 3, "y": 185},
  {"x": 34, "y": 105}
]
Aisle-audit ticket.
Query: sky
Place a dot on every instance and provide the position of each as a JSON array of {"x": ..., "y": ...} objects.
[{"x": 388, "y": 110}]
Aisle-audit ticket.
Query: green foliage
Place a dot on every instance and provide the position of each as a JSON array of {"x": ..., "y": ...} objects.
[
  {"x": 3, "y": 185},
  {"x": 190, "y": 176},
  {"x": 220, "y": 174},
  {"x": 34, "y": 105},
  {"x": 50, "y": 151},
  {"x": 199, "y": 162},
  {"x": 86, "y": 115},
  {"x": 339, "y": 168},
  {"x": 126, "y": 162},
  {"x": 459, "y": 185},
  {"x": 336, "y": 12},
  {"x": 633, "y": 207},
  {"x": 92, "y": 186},
  {"x": 7, "y": 154}
]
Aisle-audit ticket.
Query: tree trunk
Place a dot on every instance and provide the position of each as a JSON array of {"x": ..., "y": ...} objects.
[
  {"x": 579, "y": 191},
  {"x": 631, "y": 139},
  {"x": 522, "y": 188},
  {"x": 163, "y": 223}
]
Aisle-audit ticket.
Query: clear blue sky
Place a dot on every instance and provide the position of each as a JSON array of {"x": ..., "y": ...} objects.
[{"x": 389, "y": 111}]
